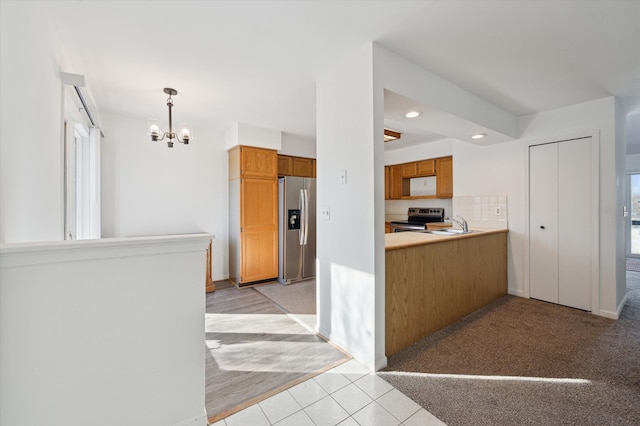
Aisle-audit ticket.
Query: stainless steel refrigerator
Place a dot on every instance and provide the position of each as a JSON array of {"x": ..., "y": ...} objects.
[{"x": 297, "y": 229}]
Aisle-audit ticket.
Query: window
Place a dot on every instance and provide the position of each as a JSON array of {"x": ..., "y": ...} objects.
[{"x": 81, "y": 175}]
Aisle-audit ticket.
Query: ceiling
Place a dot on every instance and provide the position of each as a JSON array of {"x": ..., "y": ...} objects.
[{"x": 256, "y": 62}]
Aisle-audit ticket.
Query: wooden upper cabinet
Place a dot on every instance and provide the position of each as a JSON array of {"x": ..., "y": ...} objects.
[
  {"x": 387, "y": 183},
  {"x": 296, "y": 166},
  {"x": 258, "y": 162},
  {"x": 395, "y": 182},
  {"x": 397, "y": 178},
  {"x": 444, "y": 177},
  {"x": 421, "y": 168},
  {"x": 285, "y": 165},
  {"x": 426, "y": 167},
  {"x": 302, "y": 167},
  {"x": 409, "y": 170}
]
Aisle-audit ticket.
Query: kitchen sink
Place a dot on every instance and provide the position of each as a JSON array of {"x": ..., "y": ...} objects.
[{"x": 449, "y": 232}]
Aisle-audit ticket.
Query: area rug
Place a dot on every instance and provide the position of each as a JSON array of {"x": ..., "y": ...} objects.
[
  {"x": 633, "y": 264},
  {"x": 527, "y": 362},
  {"x": 254, "y": 349},
  {"x": 296, "y": 298}
]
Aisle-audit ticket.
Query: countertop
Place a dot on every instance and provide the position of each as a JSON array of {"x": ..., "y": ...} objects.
[{"x": 399, "y": 240}]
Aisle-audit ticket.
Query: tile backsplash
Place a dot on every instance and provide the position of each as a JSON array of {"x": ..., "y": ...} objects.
[{"x": 485, "y": 211}]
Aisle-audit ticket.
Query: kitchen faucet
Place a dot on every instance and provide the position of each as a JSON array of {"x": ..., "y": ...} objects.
[{"x": 461, "y": 223}]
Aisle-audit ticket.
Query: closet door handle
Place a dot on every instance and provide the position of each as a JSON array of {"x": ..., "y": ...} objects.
[{"x": 541, "y": 226}]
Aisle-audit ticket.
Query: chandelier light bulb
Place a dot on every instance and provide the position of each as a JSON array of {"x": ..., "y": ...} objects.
[{"x": 183, "y": 137}]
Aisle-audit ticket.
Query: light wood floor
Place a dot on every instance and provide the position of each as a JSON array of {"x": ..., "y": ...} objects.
[{"x": 254, "y": 350}]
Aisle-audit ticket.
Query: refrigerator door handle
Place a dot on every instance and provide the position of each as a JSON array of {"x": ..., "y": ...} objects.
[
  {"x": 303, "y": 208},
  {"x": 305, "y": 215}
]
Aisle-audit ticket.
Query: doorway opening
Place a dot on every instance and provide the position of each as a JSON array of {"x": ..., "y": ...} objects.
[{"x": 633, "y": 219}]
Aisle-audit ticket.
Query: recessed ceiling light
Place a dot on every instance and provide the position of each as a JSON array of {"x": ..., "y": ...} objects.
[
  {"x": 478, "y": 136},
  {"x": 412, "y": 114}
]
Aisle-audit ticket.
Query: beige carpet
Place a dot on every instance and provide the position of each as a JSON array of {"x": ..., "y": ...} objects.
[
  {"x": 633, "y": 264},
  {"x": 527, "y": 362}
]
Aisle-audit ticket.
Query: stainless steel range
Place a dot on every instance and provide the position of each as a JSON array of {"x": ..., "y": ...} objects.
[{"x": 417, "y": 219}]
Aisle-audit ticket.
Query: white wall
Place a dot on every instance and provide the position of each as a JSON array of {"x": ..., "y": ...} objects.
[
  {"x": 150, "y": 189},
  {"x": 245, "y": 134},
  {"x": 633, "y": 163},
  {"x": 395, "y": 73},
  {"x": 595, "y": 116},
  {"x": 103, "y": 332},
  {"x": 298, "y": 146},
  {"x": 497, "y": 170},
  {"x": 440, "y": 148},
  {"x": 350, "y": 273},
  {"x": 31, "y": 169}
]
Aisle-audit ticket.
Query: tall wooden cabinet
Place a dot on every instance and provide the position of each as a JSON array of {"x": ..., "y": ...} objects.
[{"x": 253, "y": 215}]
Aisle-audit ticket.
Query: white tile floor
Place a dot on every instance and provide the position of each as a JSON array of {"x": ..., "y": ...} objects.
[{"x": 346, "y": 395}]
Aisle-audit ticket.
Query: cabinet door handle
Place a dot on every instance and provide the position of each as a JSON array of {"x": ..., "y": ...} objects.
[{"x": 541, "y": 226}]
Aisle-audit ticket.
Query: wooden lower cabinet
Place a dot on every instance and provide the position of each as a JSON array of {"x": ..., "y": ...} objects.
[
  {"x": 209, "y": 284},
  {"x": 258, "y": 229},
  {"x": 426, "y": 289}
]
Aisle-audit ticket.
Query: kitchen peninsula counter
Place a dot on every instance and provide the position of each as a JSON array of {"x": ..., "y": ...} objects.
[
  {"x": 434, "y": 280},
  {"x": 399, "y": 240}
]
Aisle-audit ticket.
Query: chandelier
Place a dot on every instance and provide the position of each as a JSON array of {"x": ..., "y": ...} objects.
[{"x": 154, "y": 126}]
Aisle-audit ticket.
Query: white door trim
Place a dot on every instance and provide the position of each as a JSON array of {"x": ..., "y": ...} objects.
[
  {"x": 627, "y": 204},
  {"x": 595, "y": 208}
]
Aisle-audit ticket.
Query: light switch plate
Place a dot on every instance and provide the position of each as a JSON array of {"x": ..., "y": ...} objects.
[
  {"x": 343, "y": 176},
  {"x": 325, "y": 212}
]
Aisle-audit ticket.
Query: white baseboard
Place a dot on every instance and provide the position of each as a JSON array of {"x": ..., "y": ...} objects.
[
  {"x": 613, "y": 315},
  {"x": 381, "y": 363},
  {"x": 516, "y": 292},
  {"x": 621, "y": 305},
  {"x": 199, "y": 420}
]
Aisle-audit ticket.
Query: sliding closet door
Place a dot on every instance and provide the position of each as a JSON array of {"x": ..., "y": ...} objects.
[
  {"x": 574, "y": 217},
  {"x": 560, "y": 221},
  {"x": 543, "y": 222}
]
